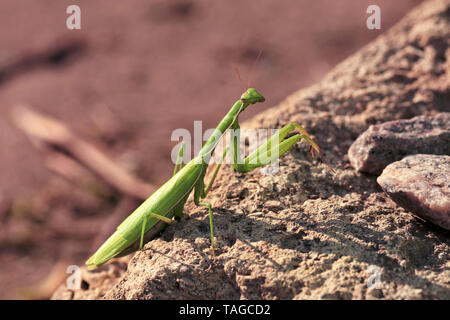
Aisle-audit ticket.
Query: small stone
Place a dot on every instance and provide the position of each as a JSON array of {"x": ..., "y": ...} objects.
[
  {"x": 391, "y": 141},
  {"x": 421, "y": 184},
  {"x": 273, "y": 205},
  {"x": 374, "y": 294}
]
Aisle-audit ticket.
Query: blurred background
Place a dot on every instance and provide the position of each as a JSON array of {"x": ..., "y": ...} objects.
[{"x": 135, "y": 71}]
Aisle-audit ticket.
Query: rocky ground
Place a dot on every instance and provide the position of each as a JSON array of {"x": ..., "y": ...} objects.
[{"x": 306, "y": 233}]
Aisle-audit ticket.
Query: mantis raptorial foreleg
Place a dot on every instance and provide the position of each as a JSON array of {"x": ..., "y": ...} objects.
[{"x": 270, "y": 151}]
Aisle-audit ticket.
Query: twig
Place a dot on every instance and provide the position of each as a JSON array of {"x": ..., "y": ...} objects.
[
  {"x": 54, "y": 134},
  {"x": 45, "y": 288}
]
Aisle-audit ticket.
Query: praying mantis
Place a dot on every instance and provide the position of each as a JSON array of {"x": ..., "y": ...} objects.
[{"x": 167, "y": 203}]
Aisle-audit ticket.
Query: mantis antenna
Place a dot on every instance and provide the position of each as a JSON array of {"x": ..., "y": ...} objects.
[
  {"x": 252, "y": 70},
  {"x": 239, "y": 77}
]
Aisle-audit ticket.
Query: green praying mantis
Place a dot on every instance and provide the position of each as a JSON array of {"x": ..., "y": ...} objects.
[{"x": 167, "y": 203}]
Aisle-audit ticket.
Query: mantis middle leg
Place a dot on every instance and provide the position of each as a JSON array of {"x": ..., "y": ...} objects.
[{"x": 201, "y": 192}]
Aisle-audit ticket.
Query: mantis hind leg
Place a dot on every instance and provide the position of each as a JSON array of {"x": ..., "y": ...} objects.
[
  {"x": 141, "y": 243},
  {"x": 144, "y": 222}
]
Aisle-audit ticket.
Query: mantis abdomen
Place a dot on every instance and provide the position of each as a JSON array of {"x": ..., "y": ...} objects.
[{"x": 125, "y": 239}]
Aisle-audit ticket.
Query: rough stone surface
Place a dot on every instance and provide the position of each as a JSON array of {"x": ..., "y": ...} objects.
[
  {"x": 421, "y": 184},
  {"x": 94, "y": 283},
  {"x": 391, "y": 141},
  {"x": 326, "y": 231}
]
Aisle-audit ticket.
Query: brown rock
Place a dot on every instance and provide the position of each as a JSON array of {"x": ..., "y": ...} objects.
[
  {"x": 391, "y": 141},
  {"x": 421, "y": 184}
]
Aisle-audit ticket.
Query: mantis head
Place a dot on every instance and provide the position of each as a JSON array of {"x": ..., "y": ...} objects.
[{"x": 251, "y": 96}]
